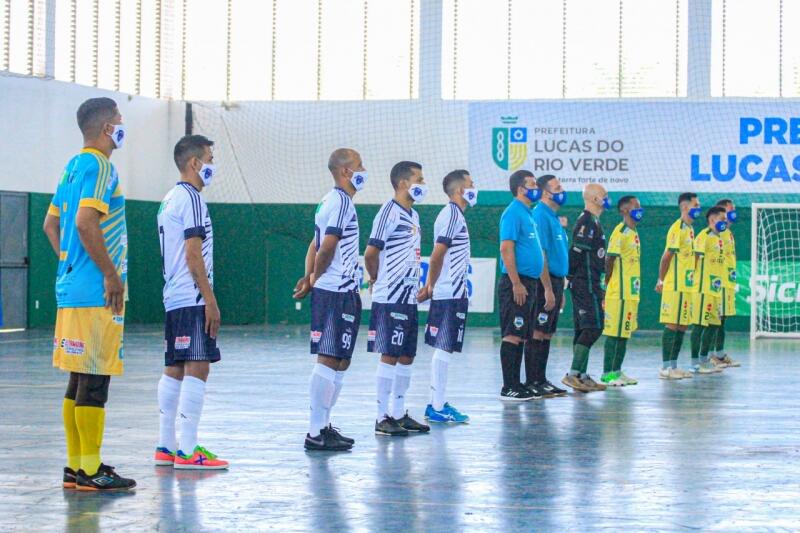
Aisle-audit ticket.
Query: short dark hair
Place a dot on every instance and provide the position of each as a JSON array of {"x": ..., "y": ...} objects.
[
  {"x": 686, "y": 197},
  {"x": 725, "y": 202},
  {"x": 517, "y": 180},
  {"x": 716, "y": 210},
  {"x": 453, "y": 180},
  {"x": 402, "y": 171},
  {"x": 625, "y": 200},
  {"x": 93, "y": 114},
  {"x": 542, "y": 181},
  {"x": 188, "y": 147}
]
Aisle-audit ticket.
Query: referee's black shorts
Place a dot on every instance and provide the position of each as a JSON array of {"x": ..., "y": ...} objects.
[
  {"x": 547, "y": 321},
  {"x": 587, "y": 305},
  {"x": 516, "y": 319}
]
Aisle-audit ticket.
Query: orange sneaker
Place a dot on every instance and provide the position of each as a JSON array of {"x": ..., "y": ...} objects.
[
  {"x": 164, "y": 457},
  {"x": 201, "y": 459}
]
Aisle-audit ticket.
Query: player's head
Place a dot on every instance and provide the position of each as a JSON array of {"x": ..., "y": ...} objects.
[
  {"x": 101, "y": 123},
  {"x": 716, "y": 218},
  {"x": 407, "y": 181},
  {"x": 595, "y": 198},
  {"x": 730, "y": 209},
  {"x": 630, "y": 209},
  {"x": 689, "y": 205},
  {"x": 552, "y": 191},
  {"x": 347, "y": 170},
  {"x": 195, "y": 159},
  {"x": 522, "y": 185},
  {"x": 458, "y": 186}
]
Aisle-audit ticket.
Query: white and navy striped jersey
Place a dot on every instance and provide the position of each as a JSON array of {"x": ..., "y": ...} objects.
[
  {"x": 396, "y": 233},
  {"x": 183, "y": 214},
  {"x": 336, "y": 215},
  {"x": 450, "y": 229}
]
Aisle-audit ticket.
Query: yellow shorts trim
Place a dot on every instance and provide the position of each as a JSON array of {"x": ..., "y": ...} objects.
[
  {"x": 676, "y": 308},
  {"x": 89, "y": 340},
  {"x": 621, "y": 318},
  {"x": 706, "y": 309},
  {"x": 728, "y": 301}
]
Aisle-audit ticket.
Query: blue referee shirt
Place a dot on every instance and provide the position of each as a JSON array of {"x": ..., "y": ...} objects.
[
  {"x": 516, "y": 224},
  {"x": 553, "y": 240}
]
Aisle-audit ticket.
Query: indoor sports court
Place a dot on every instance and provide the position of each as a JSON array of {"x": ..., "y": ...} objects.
[{"x": 419, "y": 265}]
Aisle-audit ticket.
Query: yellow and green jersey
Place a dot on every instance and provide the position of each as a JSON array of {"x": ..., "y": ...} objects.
[
  {"x": 625, "y": 281},
  {"x": 729, "y": 244},
  {"x": 680, "y": 274},
  {"x": 710, "y": 250}
]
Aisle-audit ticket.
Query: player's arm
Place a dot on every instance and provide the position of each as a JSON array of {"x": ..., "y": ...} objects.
[
  {"x": 434, "y": 269},
  {"x": 197, "y": 268},
  {"x": 663, "y": 266},
  {"x": 509, "y": 256},
  {"x": 303, "y": 285},
  {"x": 549, "y": 297},
  {"x": 87, "y": 222},
  {"x": 372, "y": 257},
  {"x": 610, "y": 265},
  {"x": 53, "y": 231},
  {"x": 324, "y": 256}
]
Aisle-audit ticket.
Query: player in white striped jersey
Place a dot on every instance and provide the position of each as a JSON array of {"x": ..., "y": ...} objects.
[
  {"x": 192, "y": 320},
  {"x": 331, "y": 275},
  {"x": 447, "y": 285},
  {"x": 392, "y": 263}
]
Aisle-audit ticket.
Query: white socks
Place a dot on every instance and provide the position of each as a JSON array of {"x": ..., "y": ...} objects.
[
  {"x": 322, "y": 390},
  {"x": 190, "y": 406},
  {"x": 402, "y": 380},
  {"x": 384, "y": 379},
  {"x": 169, "y": 390},
  {"x": 439, "y": 378},
  {"x": 337, "y": 381}
]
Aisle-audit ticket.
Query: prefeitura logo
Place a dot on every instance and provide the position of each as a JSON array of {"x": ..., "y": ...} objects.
[{"x": 509, "y": 144}]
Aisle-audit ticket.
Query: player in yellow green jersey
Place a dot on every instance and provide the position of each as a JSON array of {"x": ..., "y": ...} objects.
[
  {"x": 707, "y": 301},
  {"x": 718, "y": 355},
  {"x": 676, "y": 284},
  {"x": 623, "y": 286}
]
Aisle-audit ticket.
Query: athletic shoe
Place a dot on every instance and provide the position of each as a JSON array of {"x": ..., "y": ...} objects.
[
  {"x": 201, "y": 459},
  {"x": 730, "y": 362},
  {"x": 705, "y": 368},
  {"x": 164, "y": 457},
  {"x": 458, "y": 416},
  {"x": 339, "y": 436},
  {"x": 104, "y": 480},
  {"x": 517, "y": 393},
  {"x": 69, "y": 478},
  {"x": 575, "y": 382},
  {"x": 612, "y": 379},
  {"x": 672, "y": 373},
  {"x": 535, "y": 389},
  {"x": 548, "y": 389},
  {"x": 591, "y": 384},
  {"x": 412, "y": 426},
  {"x": 627, "y": 380},
  {"x": 442, "y": 417},
  {"x": 389, "y": 426},
  {"x": 325, "y": 442}
]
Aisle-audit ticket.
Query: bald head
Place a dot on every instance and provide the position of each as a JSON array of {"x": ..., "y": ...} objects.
[
  {"x": 593, "y": 196},
  {"x": 342, "y": 158}
]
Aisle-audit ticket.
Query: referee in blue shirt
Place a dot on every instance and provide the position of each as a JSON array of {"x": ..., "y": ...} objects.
[
  {"x": 550, "y": 289},
  {"x": 521, "y": 264}
]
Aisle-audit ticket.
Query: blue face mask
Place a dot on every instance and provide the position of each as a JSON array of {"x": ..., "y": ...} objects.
[
  {"x": 732, "y": 215},
  {"x": 695, "y": 212},
  {"x": 606, "y": 203},
  {"x": 721, "y": 226},
  {"x": 534, "y": 195},
  {"x": 560, "y": 197},
  {"x": 637, "y": 214}
]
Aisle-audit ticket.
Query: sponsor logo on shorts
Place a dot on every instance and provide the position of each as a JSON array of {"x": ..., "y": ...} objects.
[
  {"x": 462, "y": 316},
  {"x": 73, "y": 346},
  {"x": 665, "y": 307},
  {"x": 434, "y": 330},
  {"x": 316, "y": 336},
  {"x": 349, "y": 318},
  {"x": 518, "y": 322},
  {"x": 398, "y": 316},
  {"x": 581, "y": 312},
  {"x": 371, "y": 334},
  {"x": 118, "y": 319},
  {"x": 182, "y": 343},
  {"x": 542, "y": 318}
]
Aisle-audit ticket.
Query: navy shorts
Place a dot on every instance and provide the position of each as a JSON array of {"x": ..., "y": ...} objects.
[
  {"x": 516, "y": 319},
  {"x": 446, "y": 322},
  {"x": 335, "y": 317},
  {"x": 547, "y": 321},
  {"x": 393, "y": 329},
  {"x": 185, "y": 337}
]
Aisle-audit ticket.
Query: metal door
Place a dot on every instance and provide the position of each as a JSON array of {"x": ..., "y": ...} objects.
[{"x": 14, "y": 259}]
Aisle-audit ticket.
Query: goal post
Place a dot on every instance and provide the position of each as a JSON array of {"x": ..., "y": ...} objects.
[{"x": 775, "y": 270}]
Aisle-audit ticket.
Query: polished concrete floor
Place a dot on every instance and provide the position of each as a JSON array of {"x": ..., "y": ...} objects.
[{"x": 718, "y": 452}]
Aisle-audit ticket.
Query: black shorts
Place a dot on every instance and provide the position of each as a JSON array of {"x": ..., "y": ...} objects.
[
  {"x": 446, "y": 322},
  {"x": 587, "y": 305},
  {"x": 516, "y": 319},
  {"x": 393, "y": 329},
  {"x": 547, "y": 321},
  {"x": 335, "y": 318},
  {"x": 185, "y": 337}
]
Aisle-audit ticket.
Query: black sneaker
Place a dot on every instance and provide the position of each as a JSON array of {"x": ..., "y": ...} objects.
[
  {"x": 326, "y": 441},
  {"x": 551, "y": 390},
  {"x": 69, "y": 478},
  {"x": 389, "y": 426},
  {"x": 411, "y": 425},
  {"x": 535, "y": 390},
  {"x": 515, "y": 394},
  {"x": 339, "y": 436},
  {"x": 106, "y": 479}
]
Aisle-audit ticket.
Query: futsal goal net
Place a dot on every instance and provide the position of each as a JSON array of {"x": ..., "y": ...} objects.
[{"x": 775, "y": 270}]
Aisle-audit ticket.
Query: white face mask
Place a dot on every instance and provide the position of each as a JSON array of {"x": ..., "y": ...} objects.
[
  {"x": 418, "y": 192},
  {"x": 359, "y": 179},
  {"x": 471, "y": 196},
  {"x": 207, "y": 172},
  {"x": 118, "y": 135}
]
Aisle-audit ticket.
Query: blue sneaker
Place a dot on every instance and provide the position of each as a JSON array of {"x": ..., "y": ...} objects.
[
  {"x": 455, "y": 415},
  {"x": 432, "y": 415}
]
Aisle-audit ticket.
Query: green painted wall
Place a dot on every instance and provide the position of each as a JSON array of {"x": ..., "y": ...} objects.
[{"x": 259, "y": 251}]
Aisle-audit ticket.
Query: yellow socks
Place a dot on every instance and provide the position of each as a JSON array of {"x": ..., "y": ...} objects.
[
  {"x": 91, "y": 423},
  {"x": 71, "y": 433}
]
